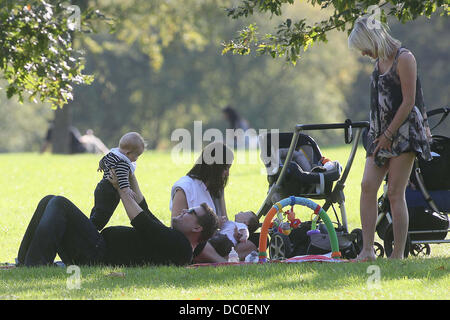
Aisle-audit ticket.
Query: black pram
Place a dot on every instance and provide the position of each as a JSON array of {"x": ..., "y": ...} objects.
[{"x": 296, "y": 167}]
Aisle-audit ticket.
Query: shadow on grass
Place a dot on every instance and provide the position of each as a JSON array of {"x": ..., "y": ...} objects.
[{"x": 51, "y": 281}]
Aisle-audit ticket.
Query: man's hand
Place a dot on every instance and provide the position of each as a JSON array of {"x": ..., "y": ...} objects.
[
  {"x": 126, "y": 191},
  {"x": 130, "y": 193},
  {"x": 128, "y": 201},
  {"x": 113, "y": 179}
]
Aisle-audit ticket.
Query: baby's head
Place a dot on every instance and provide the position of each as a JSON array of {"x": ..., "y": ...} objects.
[
  {"x": 249, "y": 218},
  {"x": 132, "y": 145}
]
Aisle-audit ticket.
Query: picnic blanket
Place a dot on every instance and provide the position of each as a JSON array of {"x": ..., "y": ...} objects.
[
  {"x": 298, "y": 259},
  {"x": 7, "y": 266}
]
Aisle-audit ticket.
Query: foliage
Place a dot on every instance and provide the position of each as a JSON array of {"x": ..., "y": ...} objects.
[
  {"x": 291, "y": 36},
  {"x": 195, "y": 83},
  {"x": 39, "y": 56},
  {"x": 22, "y": 125},
  {"x": 152, "y": 26},
  {"x": 36, "y": 56}
]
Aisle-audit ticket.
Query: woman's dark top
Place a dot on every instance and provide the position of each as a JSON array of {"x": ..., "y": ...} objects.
[
  {"x": 149, "y": 241},
  {"x": 385, "y": 99}
]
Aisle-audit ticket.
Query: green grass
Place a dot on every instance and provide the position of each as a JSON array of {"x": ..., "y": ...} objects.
[{"x": 27, "y": 178}]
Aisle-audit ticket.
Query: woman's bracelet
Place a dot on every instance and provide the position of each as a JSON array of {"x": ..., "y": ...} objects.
[
  {"x": 390, "y": 132},
  {"x": 387, "y": 137}
]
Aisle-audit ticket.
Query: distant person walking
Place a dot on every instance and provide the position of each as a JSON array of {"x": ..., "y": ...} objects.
[
  {"x": 398, "y": 130},
  {"x": 236, "y": 122}
]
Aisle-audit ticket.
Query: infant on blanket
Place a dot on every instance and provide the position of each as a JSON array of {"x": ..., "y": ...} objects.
[{"x": 232, "y": 232}]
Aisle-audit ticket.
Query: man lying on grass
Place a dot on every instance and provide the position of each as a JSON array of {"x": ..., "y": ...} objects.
[{"x": 59, "y": 227}]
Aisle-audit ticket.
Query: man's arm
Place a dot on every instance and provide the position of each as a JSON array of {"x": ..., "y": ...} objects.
[
  {"x": 179, "y": 202},
  {"x": 144, "y": 221},
  {"x": 133, "y": 203},
  {"x": 130, "y": 205},
  {"x": 135, "y": 187}
]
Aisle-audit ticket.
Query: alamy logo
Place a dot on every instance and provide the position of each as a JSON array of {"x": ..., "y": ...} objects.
[
  {"x": 74, "y": 20},
  {"x": 188, "y": 143},
  {"x": 74, "y": 281},
  {"x": 373, "y": 21},
  {"x": 374, "y": 280}
]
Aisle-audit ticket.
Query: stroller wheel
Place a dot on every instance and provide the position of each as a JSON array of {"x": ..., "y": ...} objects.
[
  {"x": 280, "y": 247},
  {"x": 379, "y": 250},
  {"x": 420, "y": 249},
  {"x": 389, "y": 242},
  {"x": 358, "y": 242}
]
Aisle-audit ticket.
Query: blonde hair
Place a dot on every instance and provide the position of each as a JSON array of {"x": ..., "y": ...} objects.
[{"x": 376, "y": 39}]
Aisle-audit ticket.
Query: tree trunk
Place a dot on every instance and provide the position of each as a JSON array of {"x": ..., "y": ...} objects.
[
  {"x": 63, "y": 116},
  {"x": 60, "y": 133}
]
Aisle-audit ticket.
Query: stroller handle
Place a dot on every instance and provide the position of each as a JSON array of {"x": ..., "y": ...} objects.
[
  {"x": 346, "y": 125},
  {"x": 445, "y": 111},
  {"x": 433, "y": 112}
]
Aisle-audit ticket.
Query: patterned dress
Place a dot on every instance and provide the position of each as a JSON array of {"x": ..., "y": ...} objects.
[{"x": 385, "y": 99}]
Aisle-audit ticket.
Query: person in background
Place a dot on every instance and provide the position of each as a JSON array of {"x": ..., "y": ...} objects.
[
  {"x": 235, "y": 121},
  {"x": 92, "y": 143},
  {"x": 242, "y": 135},
  {"x": 75, "y": 144}
]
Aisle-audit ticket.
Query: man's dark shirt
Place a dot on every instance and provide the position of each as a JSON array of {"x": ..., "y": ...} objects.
[{"x": 149, "y": 241}]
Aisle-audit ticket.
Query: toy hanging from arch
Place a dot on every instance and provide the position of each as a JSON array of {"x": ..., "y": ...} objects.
[{"x": 318, "y": 211}]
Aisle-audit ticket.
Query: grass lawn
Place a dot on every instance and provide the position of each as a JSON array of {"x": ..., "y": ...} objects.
[{"x": 28, "y": 177}]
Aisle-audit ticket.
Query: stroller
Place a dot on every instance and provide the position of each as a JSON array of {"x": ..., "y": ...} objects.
[
  {"x": 427, "y": 198},
  {"x": 296, "y": 167}
]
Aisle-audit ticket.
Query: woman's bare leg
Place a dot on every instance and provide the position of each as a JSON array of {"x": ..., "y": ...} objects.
[
  {"x": 399, "y": 171},
  {"x": 372, "y": 179}
]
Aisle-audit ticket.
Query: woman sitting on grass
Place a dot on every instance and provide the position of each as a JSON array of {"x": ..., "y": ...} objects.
[
  {"x": 206, "y": 182},
  {"x": 59, "y": 227}
]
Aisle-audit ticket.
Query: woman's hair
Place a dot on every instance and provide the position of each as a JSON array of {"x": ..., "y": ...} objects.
[
  {"x": 210, "y": 166},
  {"x": 374, "y": 39}
]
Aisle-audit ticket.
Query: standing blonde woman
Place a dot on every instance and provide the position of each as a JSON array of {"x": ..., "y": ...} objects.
[{"x": 398, "y": 130}]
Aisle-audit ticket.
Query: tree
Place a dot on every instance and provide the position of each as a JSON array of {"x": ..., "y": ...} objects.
[
  {"x": 194, "y": 83},
  {"x": 291, "y": 36},
  {"x": 37, "y": 40},
  {"x": 36, "y": 53}
]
